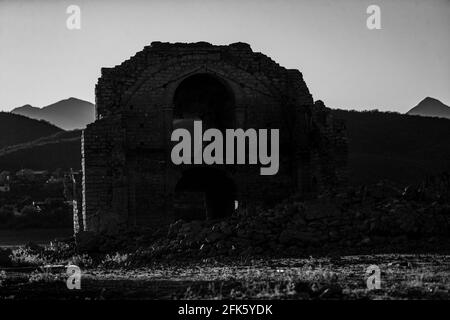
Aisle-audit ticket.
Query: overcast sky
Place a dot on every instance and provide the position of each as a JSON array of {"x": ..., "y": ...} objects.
[{"x": 343, "y": 62}]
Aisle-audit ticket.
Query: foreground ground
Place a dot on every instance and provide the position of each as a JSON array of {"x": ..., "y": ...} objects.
[
  {"x": 402, "y": 277},
  {"x": 211, "y": 259}
]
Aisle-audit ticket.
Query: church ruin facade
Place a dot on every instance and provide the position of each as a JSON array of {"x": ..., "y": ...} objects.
[{"x": 128, "y": 178}]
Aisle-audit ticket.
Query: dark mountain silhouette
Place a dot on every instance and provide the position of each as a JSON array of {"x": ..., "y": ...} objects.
[
  {"x": 382, "y": 145},
  {"x": 430, "y": 107},
  {"x": 15, "y": 129},
  {"x": 393, "y": 146},
  {"x": 60, "y": 150},
  {"x": 68, "y": 114}
]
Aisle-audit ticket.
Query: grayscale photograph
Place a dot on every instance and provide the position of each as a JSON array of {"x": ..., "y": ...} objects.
[{"x": 227, "y": 158}]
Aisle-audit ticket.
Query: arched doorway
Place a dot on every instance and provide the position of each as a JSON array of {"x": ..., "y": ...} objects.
[
  {"x": 203, "y": 97},
  {"x": 204, "y": 193}
]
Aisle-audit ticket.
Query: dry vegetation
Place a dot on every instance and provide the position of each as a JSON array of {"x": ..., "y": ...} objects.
[{"x": 402, "y": 277}]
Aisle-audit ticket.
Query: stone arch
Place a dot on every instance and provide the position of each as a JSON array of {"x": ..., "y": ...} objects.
[
  {"x": 204, "y": 97},
  {"x": 233, "y": 87}
]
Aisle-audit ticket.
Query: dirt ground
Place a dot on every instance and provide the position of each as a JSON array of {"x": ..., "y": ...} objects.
[{"x": 401, "y": 277}]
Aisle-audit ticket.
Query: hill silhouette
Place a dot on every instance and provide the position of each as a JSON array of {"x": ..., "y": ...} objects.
[
  {"x": 430, "y": 107},
  {"x": 393, "y": 146},
  {"x": 68, "y": 114},
  {"x": 382, "y": 145},
  {"x": 60, "y": 150},
  {"x": 15, "y": 129}
]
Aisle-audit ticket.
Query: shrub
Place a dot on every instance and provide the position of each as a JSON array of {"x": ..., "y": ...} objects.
[
  {"x": 25, "y": 256},
  {"x": 82, "y": 260},
  {"x": 116, "y": 260}
]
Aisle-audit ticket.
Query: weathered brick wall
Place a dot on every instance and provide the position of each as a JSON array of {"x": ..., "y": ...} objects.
[
  {"x": 104, "y": 179},
  {"x": 128, "y": 177}
]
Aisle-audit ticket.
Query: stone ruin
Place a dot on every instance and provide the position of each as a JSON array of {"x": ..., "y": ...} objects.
[{"x": 128, "y": 179}]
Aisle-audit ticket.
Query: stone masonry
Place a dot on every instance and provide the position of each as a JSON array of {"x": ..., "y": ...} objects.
[{"x": 129, "y": 180}]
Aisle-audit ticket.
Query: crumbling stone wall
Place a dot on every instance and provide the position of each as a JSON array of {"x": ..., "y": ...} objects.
[
  {"x": 73, "y": 192},
  {"x": 128, "y": 177}
]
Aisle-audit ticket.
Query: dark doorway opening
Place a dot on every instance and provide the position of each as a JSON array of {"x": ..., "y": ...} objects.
[
  {"x": 204, "y": 193},
  {"x": 204, "y": 97}
]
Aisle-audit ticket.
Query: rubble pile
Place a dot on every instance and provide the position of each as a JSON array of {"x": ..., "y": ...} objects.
[{"x": 373, "y": 216}]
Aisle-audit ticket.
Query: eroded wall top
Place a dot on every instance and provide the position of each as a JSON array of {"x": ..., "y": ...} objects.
[{"x": 159, "y": 67}]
